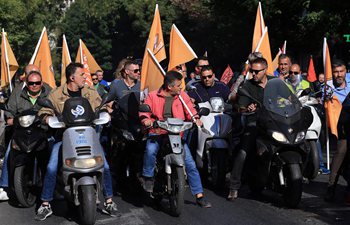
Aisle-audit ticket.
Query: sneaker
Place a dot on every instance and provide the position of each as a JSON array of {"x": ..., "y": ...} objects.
[
  {"x": 3, "y": 195},
  {"x": 203, "y": 203},
  {"x": 111, "y": 209},
  {"x": 324, "y": 171},
  {"x": 148, "y": 184},
  {"x": 44, "y": 211},
  {"x": 233, "y": 195}
]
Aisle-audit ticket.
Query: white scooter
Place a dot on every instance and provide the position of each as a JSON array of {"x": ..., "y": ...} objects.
[
  {"x": 307, "y": 99},
  {"x": 214, "y": 141}
]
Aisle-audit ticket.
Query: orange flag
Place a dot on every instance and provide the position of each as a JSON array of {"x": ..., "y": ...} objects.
[
  {"x": 66, "y": 60},
  {"x": 180, "y": 51},
  {"x": 333, "y": 107},
  {"x": 9, "y": 63},
  {"x": 155, "y": 44},
  {"x": 258, "y": 28},
  {"x": 227, "y": 75},
  {"x": 264, "y": 48},
  {"x": 85, "y": 57},
  {"x": 280, "y": 51},
  {"x": 42, "y": 59},
  {"x": 311, "y": 74},
  {"x": 155, "y": 81}
]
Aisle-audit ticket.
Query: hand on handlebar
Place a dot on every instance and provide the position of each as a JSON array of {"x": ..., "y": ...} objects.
[
  {"x": 252, "y": 107},
  {"x": 198, "y": 122},
  {"x": 148, "y": 123}
]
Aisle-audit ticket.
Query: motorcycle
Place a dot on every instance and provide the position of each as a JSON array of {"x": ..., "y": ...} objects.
[
  {"x": 28, "y": 156},
  {"x": 127, "y": 148},
  {"x": 82, "y": 154},
  {"x": 281, "y": 152},
  {"x": 308, "y": 99},
  {"x": 214, "y": 141},
  {"x": 169, "y": 172}
]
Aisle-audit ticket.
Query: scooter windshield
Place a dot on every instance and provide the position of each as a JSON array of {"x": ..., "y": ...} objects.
[{"x": 279, "y": 99}]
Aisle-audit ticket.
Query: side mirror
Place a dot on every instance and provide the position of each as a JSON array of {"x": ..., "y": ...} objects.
[
  {"x": 190, "y": 88},
  {"x": 203, "y": 111},
  {"x": 45, "y": 102},
  {"x": 145, "y": 108}
]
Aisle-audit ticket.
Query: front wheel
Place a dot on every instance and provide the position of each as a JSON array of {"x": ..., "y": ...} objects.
[
  {"x": 176, "y": 198},
  {"x": 23, "y": 184},
  {"x": 87, "y": 207},
  {"x": 294, "y": 185},
  {"x": 313, "y": 162}
]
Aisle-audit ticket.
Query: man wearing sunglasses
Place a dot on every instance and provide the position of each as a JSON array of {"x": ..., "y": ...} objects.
[
  {"x": 100, "y": 88},
  {"x": 295, "y": 81},
  {"x": 19, "y": 101},
  {"x": 195, "y": 76},
  {"x": 255, "y": 88},
  {"x": 208, "y": 87}
]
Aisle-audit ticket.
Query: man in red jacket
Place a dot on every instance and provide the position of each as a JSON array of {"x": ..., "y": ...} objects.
[{"x": 165, "y": 103}]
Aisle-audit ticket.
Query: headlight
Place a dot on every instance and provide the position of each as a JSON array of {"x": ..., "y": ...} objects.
[
  {"x": 300, "y": 137},
  {"x": 174, "y": 129},
  {"x": 84, "y": 163},
  {"x": 279, "y": 137},
  {"x": 26, "y": 121},
  {"x": 217, "y": 104}
]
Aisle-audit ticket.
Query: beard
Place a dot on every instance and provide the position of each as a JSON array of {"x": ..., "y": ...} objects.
[{"x": 338, "y": 81}]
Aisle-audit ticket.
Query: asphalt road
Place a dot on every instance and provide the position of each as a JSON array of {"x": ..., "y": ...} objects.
[{"x": 267, "y": 210}]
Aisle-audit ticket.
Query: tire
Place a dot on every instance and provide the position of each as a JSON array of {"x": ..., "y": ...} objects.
[
  {"x": 176, "y": 198},
  {"x": 218, "y": 168},
  {"x": 87, "y": 207},
  {"x": 24, "y": 192},
  {"x": 313, "y": 163},
  {"x": 294, "y": 185}
]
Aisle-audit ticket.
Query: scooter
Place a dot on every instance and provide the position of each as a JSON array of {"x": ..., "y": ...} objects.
[
  {"x": 82, "y": 154},
  {"x": 308, "y": 99},
  {"x": 213, "y": 149},
  {"x": 28, "y": 156},
  {"x": 169, "y": 172},
  {"x": 281, "y": 152}
]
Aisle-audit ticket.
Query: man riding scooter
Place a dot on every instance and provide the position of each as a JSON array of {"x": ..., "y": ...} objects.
[
  {"x": 165, "y": 103},
  {"x": 75, "y": 87}
]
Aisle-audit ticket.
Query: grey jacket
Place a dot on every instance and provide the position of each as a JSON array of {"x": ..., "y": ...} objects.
[{"x": 19, "y": 100}]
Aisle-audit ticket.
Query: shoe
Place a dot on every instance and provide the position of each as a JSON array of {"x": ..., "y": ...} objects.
[
  {"x": 324, "y": 170},
  {"x": 44, "y": 211},
  {"x": 233, "y": 195},
  {"x": 3, "y": 195},
  {"x": 111, "y": 209},
  {"x": 148, "y": 184},
  {"x": 329, "y": 197},
  {"x": 203, "y": 203}
]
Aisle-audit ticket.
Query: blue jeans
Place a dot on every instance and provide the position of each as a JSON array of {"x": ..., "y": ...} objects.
[
  {"x": 4, "y": 179},
  {"x": 149, "y": 162},
  {"x": 51, "y": 172}
]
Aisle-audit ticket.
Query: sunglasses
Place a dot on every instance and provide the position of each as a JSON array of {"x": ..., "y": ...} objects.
[
  {"x": 293, "y": 72},
  {"x": 135, "y": 71},
  {"x": 255, "y": 71},
  {"x": 30, "y": 83},
  {"x": 94, "y": 78},
  {"x": 207, "y": 77},
  {"x": 200, "y": 66}
]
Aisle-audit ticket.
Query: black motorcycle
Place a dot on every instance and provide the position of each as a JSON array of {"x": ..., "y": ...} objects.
[
  {"x": 281, "y": 152},
  {"x": 28, "y": 156}
]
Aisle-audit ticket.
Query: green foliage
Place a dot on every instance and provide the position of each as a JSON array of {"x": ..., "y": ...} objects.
[{"x": 114, "y": 29}]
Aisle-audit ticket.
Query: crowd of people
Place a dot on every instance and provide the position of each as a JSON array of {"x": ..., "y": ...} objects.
[{"x": 201, "y": 85}]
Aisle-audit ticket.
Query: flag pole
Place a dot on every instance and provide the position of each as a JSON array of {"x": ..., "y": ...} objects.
[
  {"x": 7, "y": 59},
  {"x": 324, "y": 100},
  {"x": 37, "y": 47}
]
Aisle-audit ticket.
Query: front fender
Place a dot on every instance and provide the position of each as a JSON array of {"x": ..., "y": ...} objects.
[
  {"x": 291, "y": 157},
  {"x": 174, "y": 159}
]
